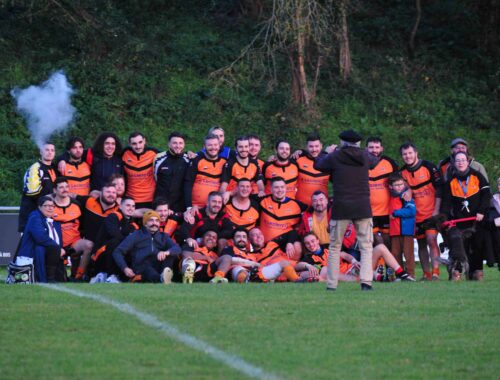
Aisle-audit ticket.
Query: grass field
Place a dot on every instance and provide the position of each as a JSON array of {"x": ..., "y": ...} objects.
[{"x": 291, "y": 331}]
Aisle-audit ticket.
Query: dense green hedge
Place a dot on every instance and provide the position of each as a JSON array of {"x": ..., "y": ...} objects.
[{"x": 147, "y": 68}]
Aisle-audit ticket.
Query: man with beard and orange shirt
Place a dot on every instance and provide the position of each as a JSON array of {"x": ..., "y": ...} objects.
[
  {"x": 242, "y": 166},
  {"x": 379, "y": 190},
  {"x": 425, "y": 182},
  {"x": 204, "y": 174},
  {"x": 68, "y": 213},
  {"x": 283, "y": 166},
  {"x": 76, "y": 171},
  {"x": 138, "y": 162},
  {"x": 310, "y": 180},
  {"x": 95, "y": 210},
  {"x": 242, "y": 208},
  {"x": 279, "y": 216}
]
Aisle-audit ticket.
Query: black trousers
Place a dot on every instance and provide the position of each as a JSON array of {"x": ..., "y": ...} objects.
[{"x": 152, "y": 269}]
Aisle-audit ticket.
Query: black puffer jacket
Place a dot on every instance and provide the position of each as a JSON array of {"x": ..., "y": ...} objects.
[{"x": 348, "y": 167}]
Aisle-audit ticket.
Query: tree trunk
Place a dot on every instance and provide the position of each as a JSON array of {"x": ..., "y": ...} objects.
[
  {"x": 345, "y": 62},
  {"x": 411, "y": 42}
]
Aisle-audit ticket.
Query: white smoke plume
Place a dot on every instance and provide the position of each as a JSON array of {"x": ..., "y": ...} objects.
[{"x": 46, "y": 108}]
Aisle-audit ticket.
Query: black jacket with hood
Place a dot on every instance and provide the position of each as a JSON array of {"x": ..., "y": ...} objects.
[{"x": 348, "y": 167}]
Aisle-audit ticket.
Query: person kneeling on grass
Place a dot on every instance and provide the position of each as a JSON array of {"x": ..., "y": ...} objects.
[
  {"x": 266, "y": 262},
  {"x": 317, "y": 256},
  {"x": 153, "y": 253},
  {"x": 202, "y": 264}
]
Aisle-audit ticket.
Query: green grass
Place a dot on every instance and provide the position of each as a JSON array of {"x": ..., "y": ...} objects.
[{"x": 297, "y": 331}]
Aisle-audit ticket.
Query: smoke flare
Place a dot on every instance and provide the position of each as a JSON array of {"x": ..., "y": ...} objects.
[{"x": 46, "y": 108}]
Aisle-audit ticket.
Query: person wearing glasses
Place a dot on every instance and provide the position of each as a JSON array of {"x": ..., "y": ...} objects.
[
  {"x": 42, "y": 243},
  {"x": 467, "y": 194}
]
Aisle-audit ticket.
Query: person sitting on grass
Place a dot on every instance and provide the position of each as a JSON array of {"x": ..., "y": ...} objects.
[
  {"x": 202, "y": 264},
  {"x": 153, "y": 254},
  {"x": 266, "y": 262},
  {"x": 349, "y": 265}
]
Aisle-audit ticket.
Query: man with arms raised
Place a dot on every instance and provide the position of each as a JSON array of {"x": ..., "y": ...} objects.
[{"x": 348, "y": 167}]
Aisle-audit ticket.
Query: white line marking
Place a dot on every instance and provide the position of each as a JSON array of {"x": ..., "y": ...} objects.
[{"x": 232, "y": 361}]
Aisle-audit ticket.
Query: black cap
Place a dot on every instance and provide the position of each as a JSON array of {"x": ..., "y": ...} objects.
[
  {"x": 350, "y": 136},
  {"x": 458, "y": 140}
]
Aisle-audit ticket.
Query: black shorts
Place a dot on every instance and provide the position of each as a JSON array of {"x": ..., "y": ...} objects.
[
  {"x": 205, "y": 272},
  {"x": 381, "y": 224},
  {"x": 426, "y": 227}
]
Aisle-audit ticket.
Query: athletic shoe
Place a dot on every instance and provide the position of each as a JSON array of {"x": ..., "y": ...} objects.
[
  {"x": 308, "y": 279},
  {"x": 331, "y": 289},
  {"x": 99, "y": 278},
  {"x": 404, "y": 276},
  {"x": 113, "y": 279},
  {"x": 166, "y": 276},
  {"x": 218, "y": 280},
  {"x": 189, "y": 268},
  {"x": 435, "y": 277},
  {"x": 366, "y": 287}
]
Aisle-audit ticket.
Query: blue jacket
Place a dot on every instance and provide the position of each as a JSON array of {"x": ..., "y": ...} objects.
[
  {"x": 35, "y": 239},
  {"x": 143, "y": 247},
  {"x": 403, "y": 223}
]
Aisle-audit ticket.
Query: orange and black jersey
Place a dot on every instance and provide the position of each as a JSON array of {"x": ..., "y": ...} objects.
[
  {"x": 319, "y": 258},
  {"x": 279, "y": 217},
  {"x": 202, "y": 223},
  {"x": 202, "y": 177},
  {"x": 69, "y": 217},
  {"x": 378, "y": 178},
  {"x": 78, "y": 175},
  {"x": 139, "y": 174},
  {"x": 205, "y": 252},
  {"x": 309, "y": 179},
  {"x": 234, "y": 170},
  {"x": 115, "y": 227},
  {"x": 93, "y": 216},
  {"x": 289, "y": 172},
  {"x": 425, "y": 182},
  {"x": 171, "y": 225},
  {"x": 269, "y": 254},
  {"x": 466, "y": 195},
  {"x": 247, "y": 218}
]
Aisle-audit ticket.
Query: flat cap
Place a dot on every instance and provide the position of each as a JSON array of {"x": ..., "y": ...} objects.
[
  {"x": 458, "y": 140},
  {"x": 350, "y": 136}
]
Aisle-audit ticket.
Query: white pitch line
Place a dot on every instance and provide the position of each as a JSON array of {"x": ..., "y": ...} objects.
[{"x": 150, "y": 320}]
